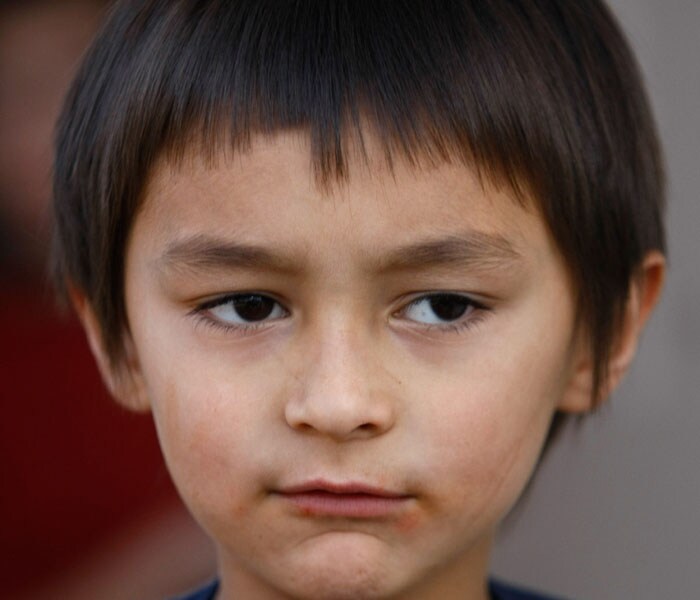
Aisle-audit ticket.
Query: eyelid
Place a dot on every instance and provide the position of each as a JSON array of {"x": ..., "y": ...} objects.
[
  {"x": 410, "y": 299},
  {"x": 475, "y": 314},
  {"x": 218, "y": 300},
  {"x": 204, "y": 317}
]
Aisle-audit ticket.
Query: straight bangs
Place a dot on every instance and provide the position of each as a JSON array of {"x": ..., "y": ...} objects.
[
  {"x": 518, "y": 90},
  {"x": 427, "y": 79}
]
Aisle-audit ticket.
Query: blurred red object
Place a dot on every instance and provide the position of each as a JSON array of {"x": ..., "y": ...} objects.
[{"x": 75, "y": 466}]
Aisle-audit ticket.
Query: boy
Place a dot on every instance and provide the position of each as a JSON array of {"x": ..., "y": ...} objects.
[{"x": 358, "y": 259}]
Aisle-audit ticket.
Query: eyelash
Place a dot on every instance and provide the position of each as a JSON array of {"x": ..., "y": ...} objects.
[
  {"x": 217, "y": 325},
  {"x": 475, "y": 315},
  {"x": 477, "y": 312},
  {"x": 202, "y": 318}
]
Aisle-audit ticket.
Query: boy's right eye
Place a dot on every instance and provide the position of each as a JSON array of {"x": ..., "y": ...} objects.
[{"x": 241, "y": 310}]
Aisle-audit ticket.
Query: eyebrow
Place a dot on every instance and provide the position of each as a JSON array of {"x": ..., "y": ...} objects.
[
  {"x": 205, "y": 253},
  {"x": 472, "y": 249}
]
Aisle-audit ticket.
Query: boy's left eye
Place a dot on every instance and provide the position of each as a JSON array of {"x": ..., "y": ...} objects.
[{"x": 439, "y": 309}]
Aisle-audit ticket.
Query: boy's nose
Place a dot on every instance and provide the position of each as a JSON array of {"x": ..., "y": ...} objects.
[{"x": 344, "y": 393}]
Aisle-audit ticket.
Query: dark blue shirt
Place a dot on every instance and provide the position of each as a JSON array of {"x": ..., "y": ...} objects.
[{"x": 497, "y": 590}]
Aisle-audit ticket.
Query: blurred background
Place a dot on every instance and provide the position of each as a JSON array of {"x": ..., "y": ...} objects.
[{"x": 88, "y": 508}]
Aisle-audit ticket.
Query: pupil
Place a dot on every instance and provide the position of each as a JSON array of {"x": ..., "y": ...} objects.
[
  {"x": 253, "y": 308},
  {"x": 449, "y": 307}
]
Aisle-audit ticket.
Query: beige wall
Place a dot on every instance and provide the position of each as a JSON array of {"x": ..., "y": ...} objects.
[{"x": 615, "y": 513}]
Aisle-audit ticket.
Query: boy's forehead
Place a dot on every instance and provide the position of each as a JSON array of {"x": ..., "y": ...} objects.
[
  {"x": 262, "y": 209},
  {"x": 371, "y": 163},
  {"x": 268, "y": 192}
]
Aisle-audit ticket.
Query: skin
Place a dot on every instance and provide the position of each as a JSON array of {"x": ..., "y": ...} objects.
[{"x": 352, "y": 378}]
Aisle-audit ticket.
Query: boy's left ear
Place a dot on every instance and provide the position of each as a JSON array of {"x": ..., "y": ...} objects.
[{"x": 645, "y": 290}]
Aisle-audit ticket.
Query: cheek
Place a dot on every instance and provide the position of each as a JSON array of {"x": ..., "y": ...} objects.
[
  {"x": 489, "y": 425},
  {"x": 485, "y": 453},
  {"x": 207, "y": 422}
]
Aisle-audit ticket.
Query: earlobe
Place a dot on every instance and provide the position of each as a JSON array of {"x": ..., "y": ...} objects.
[
  {"x": 578, "y": 397},
  {"x": 123, "y": 381},
  {"x": 645, "y": 290}
]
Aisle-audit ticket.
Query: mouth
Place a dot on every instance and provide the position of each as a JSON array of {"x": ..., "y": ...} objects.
[{"x": 321, "y": 498}]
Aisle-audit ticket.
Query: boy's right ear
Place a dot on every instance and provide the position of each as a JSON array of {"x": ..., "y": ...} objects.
[
  {"x": 124, "y": 380},
  {"x": 645, "y": 289}
]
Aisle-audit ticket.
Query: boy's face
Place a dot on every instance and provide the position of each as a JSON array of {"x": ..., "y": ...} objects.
[{"x": 351, "y": 386}]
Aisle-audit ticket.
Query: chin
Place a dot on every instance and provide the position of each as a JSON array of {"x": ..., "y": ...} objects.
[
  {"x": 342, "y": 572},
  {"x": 339, "y": 584}
]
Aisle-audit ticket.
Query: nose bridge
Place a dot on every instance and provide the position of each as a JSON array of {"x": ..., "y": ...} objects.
[
  {"x": 341, "y": 392},
  {"x": 343, "y": 367}
]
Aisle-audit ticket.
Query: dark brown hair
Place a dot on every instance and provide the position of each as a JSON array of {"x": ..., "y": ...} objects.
[{"x": 543, "y": 96}]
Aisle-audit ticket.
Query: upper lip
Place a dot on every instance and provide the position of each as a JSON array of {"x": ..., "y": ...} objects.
[{"x": 345, "y": 487}]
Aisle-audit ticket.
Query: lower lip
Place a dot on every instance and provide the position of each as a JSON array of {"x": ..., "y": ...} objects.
[{"x": 358, "y": 506}]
